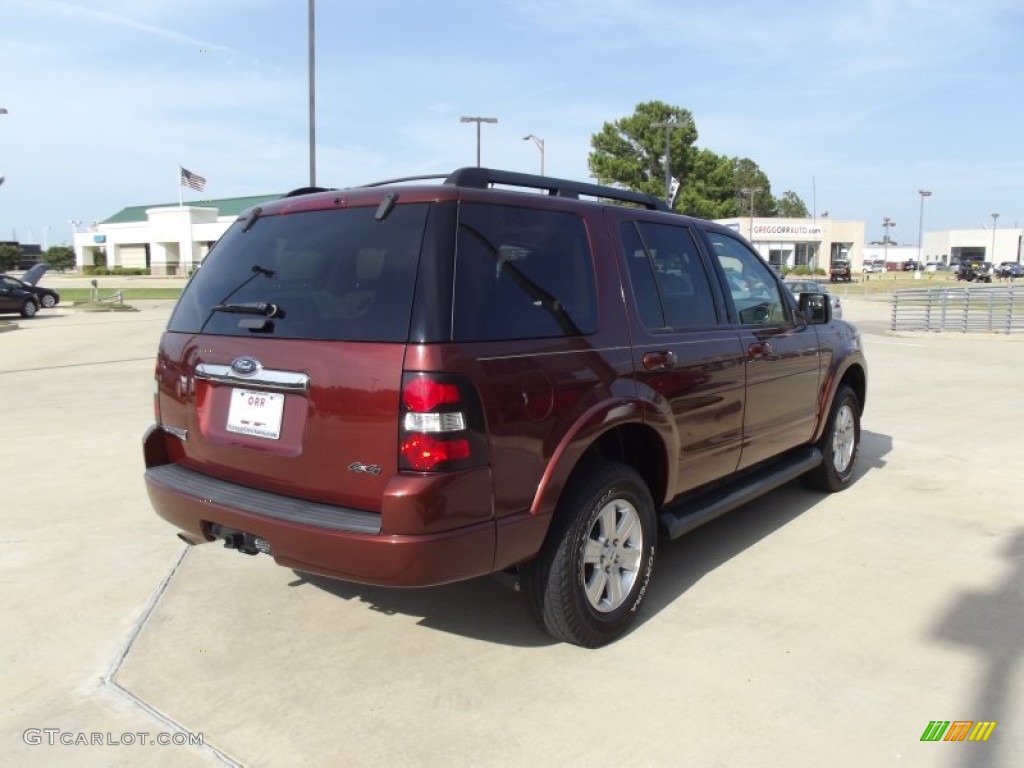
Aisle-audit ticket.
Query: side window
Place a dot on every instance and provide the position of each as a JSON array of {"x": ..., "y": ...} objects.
[
  {"x": 754, "y": 292},
  {"x": 670, "y": 284},
  {"x": 522, "y": 273}
]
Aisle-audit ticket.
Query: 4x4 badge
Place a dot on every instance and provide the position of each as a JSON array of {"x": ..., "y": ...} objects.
[{"x": 245, "y": 366}]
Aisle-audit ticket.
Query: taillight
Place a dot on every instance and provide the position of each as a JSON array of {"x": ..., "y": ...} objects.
[
  {"x": 156, "y": 391},
  {"x": 441, "y": 424}
]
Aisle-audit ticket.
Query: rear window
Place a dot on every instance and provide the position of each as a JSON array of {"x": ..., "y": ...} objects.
[
  {"x": 336, "y": 274},
  {"x": 522, "y": 273}
]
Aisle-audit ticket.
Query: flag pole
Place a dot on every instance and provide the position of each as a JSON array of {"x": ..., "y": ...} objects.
[{"x": 181, "y": 213}]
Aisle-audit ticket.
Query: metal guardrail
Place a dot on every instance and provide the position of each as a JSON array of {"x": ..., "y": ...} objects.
[{"x": 966, "y": 309}]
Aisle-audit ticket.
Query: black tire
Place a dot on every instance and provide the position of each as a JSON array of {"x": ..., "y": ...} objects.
[
  {"x": 29, "y": 308},
  {"x": 839, "y": 444},
  {"x": 588, "y": 582},
  {"x": 48, "y": 301}
]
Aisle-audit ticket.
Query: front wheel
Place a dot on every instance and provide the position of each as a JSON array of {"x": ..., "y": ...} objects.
[
  {"x": 588, "y": 582},
  {"x": 48, "y": 301},
  {"x": 29, "y": 308},
  {"x": 839, "y": 444}
]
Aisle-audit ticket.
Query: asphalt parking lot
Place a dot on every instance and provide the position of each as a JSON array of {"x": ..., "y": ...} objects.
[{"x": 800, "y": 630}]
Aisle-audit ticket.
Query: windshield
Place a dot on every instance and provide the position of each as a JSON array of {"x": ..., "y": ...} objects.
[{"x": 336, "y": 274}]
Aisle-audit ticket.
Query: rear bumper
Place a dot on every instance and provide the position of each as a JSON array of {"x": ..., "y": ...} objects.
[{"x": 310, "y": 538}]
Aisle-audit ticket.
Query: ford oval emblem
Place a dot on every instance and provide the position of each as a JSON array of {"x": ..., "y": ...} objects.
[{"x": 245, "y": 366}]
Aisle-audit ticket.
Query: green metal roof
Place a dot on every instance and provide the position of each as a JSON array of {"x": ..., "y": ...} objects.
[{"x": 228, "y": 206}]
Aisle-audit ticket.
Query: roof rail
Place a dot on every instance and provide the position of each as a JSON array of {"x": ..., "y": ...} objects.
[
  {"x": 484, "y": 177},
  {"x": 306, "y": 191},
  {"x": 404, "y": 178}
]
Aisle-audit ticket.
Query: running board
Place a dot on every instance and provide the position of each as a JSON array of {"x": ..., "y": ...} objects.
[{"x": 688, "y": 513}]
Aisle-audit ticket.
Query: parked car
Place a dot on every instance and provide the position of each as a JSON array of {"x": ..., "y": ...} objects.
[
  {"x": 797, "y": 287},
  {"x": 45, "y": 297},
  {"x": 416, "y": 383},
  {"x": 975, "y": 271},
  {"x": 1009, "y": 270},
  {"x": 839, "y": 270},
  {"x": 15, "y": 297}
]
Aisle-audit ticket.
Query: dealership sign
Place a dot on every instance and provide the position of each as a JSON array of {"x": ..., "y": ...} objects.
[{"x": 789, "y": 230}]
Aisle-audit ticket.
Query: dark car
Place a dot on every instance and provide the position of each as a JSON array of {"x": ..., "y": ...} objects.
[
  {"x": 797, "y": 287},
  {"x": 45, "y": 297},
  {"x": 15, "y": 297},
  {"x": 1009, "y": 270},
  {"x": 839, "y": 270},
  {"x": 416, "y": 383}
]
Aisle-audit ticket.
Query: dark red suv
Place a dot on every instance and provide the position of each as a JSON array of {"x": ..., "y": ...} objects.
[{"x": 418, "y": 382}]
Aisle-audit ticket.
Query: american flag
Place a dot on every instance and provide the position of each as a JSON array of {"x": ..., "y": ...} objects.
[{"x": 193, "y": 180}]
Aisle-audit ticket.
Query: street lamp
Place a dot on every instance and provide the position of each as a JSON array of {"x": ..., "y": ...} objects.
[
  {"x": 920, "y": 226},
  {"x": 3, "y": 111},
  {"x": 668, "y": 125},
  {"x": 751, "y": 191},
  {"x": 887, "y": 223},
  {"x": 478, "y": 120},
  {"x": 540, "y": 145},
  {"x": 993, "y": 258},
  {"x": 311, "y": 45}
]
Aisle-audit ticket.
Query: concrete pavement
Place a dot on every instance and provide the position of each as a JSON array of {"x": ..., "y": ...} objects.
[{"x": 798, "y": 630}]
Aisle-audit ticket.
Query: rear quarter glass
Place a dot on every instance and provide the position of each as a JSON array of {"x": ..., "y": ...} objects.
[{"x": 332, "y": 274}]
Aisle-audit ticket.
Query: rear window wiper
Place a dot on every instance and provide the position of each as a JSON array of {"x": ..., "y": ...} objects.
[{"x": 250, "y": 308}]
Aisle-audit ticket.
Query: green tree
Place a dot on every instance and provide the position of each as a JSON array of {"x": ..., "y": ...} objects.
[
  {"x": 60, "y": 257},
  {"x": 751, "y": 181},
  {"x": 631, "y": 151},
  {"x": 791, "y": 206},
  {"x": 10, "y": 255},
  {"x": 710, "y": 190}
]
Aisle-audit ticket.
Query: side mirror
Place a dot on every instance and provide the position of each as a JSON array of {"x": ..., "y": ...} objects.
[{"x": 816, "y": 308}]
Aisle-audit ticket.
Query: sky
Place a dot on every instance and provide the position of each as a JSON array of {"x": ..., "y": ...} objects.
[{"x": 855, "y": 105}]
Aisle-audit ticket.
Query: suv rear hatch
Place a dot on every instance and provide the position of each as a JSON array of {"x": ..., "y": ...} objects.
[{"x": 282, "y": 364}]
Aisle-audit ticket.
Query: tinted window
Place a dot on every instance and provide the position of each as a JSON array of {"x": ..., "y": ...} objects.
[
  {"x": 521, "y": 273},
  {"x": 751, "y": 286},
  {"x": 670, "y": 283},
  {"x": 335, "y": 274}
]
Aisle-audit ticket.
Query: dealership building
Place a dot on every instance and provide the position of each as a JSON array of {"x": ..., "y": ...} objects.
[
  {"x": 813, "y": 243},
  {"x": 167, "y": 239},
  {"x": 170, "y": 239}
]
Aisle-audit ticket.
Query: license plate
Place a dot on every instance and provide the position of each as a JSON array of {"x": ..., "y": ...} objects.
[{"x": 256, "y": 413}]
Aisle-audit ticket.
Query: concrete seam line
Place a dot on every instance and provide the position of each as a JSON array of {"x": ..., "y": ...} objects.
[{"x": 140, "y": 624}]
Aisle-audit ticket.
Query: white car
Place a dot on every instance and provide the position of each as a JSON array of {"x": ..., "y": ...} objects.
[{"x": 796, "y": 287}]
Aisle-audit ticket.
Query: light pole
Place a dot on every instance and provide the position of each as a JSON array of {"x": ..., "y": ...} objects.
[
  {"x": 540, "y": 145},
  {"x": 668, "y": 125},
  {"x": 312, "y": 93},
  {"x": 3, "y": 111},
  {"x": 478, "y": 120},
  {"x": 920, "y": 227},
  {"x": 751, "y": 191},
  {"x": 993, "y": 258},
  {"x": 887, "y": 223}
]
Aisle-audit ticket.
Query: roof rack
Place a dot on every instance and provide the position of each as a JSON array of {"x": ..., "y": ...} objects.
[
  {"x": 484, "y": 177},
  {"x": 405, "y": 178},
  {"x": 307, "y": 191}
]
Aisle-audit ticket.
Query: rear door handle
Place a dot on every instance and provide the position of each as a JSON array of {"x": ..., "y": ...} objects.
[{"x": 659, "y": 361}]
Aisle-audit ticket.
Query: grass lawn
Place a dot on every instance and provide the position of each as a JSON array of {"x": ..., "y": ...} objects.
[{"x": 69, "y": 295}]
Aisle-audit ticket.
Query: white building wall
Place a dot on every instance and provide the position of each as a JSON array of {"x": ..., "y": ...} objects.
[{"x": 178, "y": 238}]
